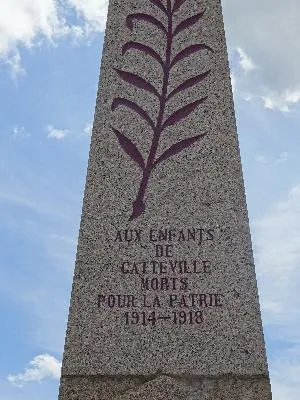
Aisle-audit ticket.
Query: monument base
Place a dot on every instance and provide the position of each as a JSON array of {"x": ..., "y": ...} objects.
[{"x": 165, "y": 388}]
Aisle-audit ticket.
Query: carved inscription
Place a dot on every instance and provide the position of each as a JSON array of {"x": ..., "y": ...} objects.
[
  {"x": 164, "y": 292},
  {"x": 171, "y": 31}
]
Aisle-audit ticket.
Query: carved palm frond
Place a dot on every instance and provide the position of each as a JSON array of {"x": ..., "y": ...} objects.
[{"x": 147, "y": 166}]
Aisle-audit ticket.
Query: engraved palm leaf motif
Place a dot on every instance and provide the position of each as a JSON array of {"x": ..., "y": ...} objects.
[{"x": 170, "y": 31}]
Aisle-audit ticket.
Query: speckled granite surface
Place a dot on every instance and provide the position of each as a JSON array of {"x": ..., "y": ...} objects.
[
  {"x": 164, "y": 284},
  {"x": 165, "y": 388}
]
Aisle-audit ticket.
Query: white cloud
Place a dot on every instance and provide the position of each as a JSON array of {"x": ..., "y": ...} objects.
[
  {"x": 20, "y": 133},
  {"x": 93, "y": 11},
  {"x": 14, "y": 63},
  {"x": 22, "y": 20},
  {"x": 41, "y": 367},
  {"x": 233, "y": 82},
  {"x": 277, "y": 248},
  {"x": 267, "y": 32},
  {"x": 282, "y": 101},
  {"x": 285, "y": 375},
  {"x": 261, "y": 159},
  {"x": 280, "y": 159},
  {"x": 88, "y": 129},
  {"x": 245, "y": 61},
  {"x": 58, "y": 134},
  {"x": 26, "y": 23},
  {"x": 283, "y": 157}
]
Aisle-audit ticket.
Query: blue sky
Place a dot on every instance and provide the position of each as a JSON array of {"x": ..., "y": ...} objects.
[{"x": 49, "y": 62}]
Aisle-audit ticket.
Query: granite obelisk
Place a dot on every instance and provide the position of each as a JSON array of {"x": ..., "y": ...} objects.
[{"x": 164, "y": 301}]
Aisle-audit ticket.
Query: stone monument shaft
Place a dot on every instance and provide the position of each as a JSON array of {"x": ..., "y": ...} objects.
[{"x": 164, "y": 301}]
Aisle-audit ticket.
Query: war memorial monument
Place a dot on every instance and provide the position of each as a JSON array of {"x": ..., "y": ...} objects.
[{"x": 164, "y": 302}]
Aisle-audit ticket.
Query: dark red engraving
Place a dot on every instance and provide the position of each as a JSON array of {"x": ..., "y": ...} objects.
[
  {"x": 182, "y": 113},
  {"x": 178, "y": 4},
  {"x": 146, "y": 49},
  {"x": 187, "y": 23},
  {"x": 137, "y": 81},
  {"x": 177, "y": 148},
  {"x": 195, "y": 48},
  {"x": 134, "y": 107},
  {"x": 147, "y": 18},
  {"x": 159, "y": 4},
  {"x": 162, "y": 122},
  {"x": 130, "y": 148},
  {"x": 188, "y": 84}
]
